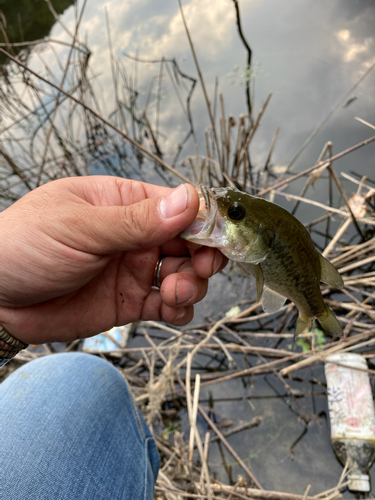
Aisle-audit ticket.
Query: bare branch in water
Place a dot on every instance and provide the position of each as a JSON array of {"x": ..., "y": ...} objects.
[{"x": 249, "y": 56}]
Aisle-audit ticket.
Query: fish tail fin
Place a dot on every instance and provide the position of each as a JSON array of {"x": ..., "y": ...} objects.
[
  {"x": 303, "y": 323},
  {"x": 329, "y": 323}
]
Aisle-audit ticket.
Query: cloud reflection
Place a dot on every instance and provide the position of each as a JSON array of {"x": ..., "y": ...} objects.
[
  {"x": 309, "y": 61},
  {"x": 352, "y": 48}
]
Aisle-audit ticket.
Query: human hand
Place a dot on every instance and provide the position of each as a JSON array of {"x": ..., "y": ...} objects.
[{"x": 78, "y": 257}]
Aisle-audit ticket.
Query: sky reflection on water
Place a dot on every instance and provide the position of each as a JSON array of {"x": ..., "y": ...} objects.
[{"x": 307, "y": 54}]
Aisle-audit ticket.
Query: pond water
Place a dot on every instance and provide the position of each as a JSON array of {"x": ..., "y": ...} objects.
[{"x": 309, "y": 55}]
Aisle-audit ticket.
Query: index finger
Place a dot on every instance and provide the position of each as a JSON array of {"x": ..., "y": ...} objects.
[{"x": 104, "y": 190}]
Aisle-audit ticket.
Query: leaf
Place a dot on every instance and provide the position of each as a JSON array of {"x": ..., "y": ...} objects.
[
  {"x": 302, "y": 343},
  {"x": 233, "y": 312},
  {"x": 320, "y": 340}
]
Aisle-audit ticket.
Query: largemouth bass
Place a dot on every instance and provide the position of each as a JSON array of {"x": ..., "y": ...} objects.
[{"x": 270, "y": 244}]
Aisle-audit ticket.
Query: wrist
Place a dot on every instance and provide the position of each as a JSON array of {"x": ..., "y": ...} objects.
[{"x": 9, "y": 346}]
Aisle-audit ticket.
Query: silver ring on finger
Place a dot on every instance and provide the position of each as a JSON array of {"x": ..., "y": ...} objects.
[{"x": 157, "y": 279}]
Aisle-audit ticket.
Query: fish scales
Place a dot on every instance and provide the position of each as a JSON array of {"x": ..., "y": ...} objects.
[
  {"x": 271, "y": 244},
  {"x": 292, "y": 267}
]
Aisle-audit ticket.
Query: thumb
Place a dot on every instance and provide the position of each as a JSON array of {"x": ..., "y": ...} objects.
[{"x": 148, "y": 223}]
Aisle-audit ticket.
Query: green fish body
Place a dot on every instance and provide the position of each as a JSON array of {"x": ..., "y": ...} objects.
[{"x": 270, "y": 244}]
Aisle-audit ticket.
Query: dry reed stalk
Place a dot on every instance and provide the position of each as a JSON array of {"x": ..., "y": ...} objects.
[
  {"x": 361, "y": 184},
  {"x": 268, "y": 160},
  {"x": 315, "y": 174},
  {"x": 244, "y": 150},
  {"x": 195, "y": 434},
  {"x": 352, "y": 307},
  {"x": 205, "y": 461},
  {"x": 258, "y": 494},
  {"x": 208, "y": 104},
  {"x": 332, "y": 210},
  {"x": 257, "y": 317},
  {"x": 354, "y": 253},
  {"x": 338, "y": 184},
  {"x": 254, "y": 422},
  {"x": 335, "y": 492},
  {"x": 282, "y": 183},
  {"x": 322, "y": 355},
  {"x": 158, "y": 386},
  {"x": 332, "y": 111},
  {"x": 342, "y": 229},
  {"x": 99, "y": 117},
  {"x": 203, "y": 342},
  {"x": 355, "y": 325},
  {"x": 212, "y": 425},
  {"x": 255, "y": 370},
  {"x": 225, "y": 347},
  {"x": 356, "y": 265},
  {"x": 231, "y": 362},
  {"x": 230, "y": 449},
  {"x": 307, "y": 492},
  {"x": 166, "y": 485},
  {"x": 174, "y": 493},
  {"x": 190, "y": 407},
  {"x": 237, "y": 318},
  {"x": 57, "y": 98}
]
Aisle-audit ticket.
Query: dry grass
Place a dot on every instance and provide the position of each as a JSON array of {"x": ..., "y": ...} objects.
[{"x": 53, "y": 125}]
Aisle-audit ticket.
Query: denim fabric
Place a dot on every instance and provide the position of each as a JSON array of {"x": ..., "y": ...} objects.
[{"x": 70, "y": 430}]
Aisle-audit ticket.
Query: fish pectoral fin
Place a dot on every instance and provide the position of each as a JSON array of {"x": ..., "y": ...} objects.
[
  {"x": 255, "y": 271},
  {"x": 329, "y": 274},
  {"x": 272, "y": 301}
]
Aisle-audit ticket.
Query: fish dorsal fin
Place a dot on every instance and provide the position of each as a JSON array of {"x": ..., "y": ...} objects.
[
  {"x": 272, "y": 301},
  {"x": 329, "y": 274},
  {"x": 255, "y": 271}
]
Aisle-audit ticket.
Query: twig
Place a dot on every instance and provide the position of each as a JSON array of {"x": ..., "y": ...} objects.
[
  {"x": 249, "y": 55},
  {"x": 260, "y": 494},
  {"x": 208, "y": 104},
  {"x": 318, "y": 165},
  {"x": 335, "y": 178},
  {"x": 322, "y": 355},
  {"x": 254, "y": 422},
  {"x": 97, "y": 115},
  {"x": 333, "y": 110}
]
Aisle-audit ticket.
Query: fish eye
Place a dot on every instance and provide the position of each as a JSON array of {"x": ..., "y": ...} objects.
[{"x": 236, "y": 211}]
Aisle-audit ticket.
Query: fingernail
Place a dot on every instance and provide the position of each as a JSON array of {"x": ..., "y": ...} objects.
[
  {"x": 185, "y": 291},
  {"x": 174, "y": 203},
  {"x": 180, "y": 313},
  {"x": 218, "y": 260}
]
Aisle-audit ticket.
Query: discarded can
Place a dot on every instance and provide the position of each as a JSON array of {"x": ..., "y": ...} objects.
[{"x": 351, "y": 414}]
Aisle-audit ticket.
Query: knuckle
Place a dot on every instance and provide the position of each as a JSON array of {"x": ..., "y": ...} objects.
[{"x": 136, "y": 220}]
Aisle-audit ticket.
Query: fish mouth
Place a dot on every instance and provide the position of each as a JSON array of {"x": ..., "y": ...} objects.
[{"x": 206, "y": 228}]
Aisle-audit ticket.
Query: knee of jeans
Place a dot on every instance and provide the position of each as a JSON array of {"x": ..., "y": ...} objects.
[
  {"x": 68, "y": 376},
  {"x": 83, "y": 381},
  {"x": 76, "y": 364},
  {"x": 82, "y": 378}
]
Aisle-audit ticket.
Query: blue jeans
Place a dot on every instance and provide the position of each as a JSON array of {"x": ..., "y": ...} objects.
[{"x": 70, "y": 430}]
